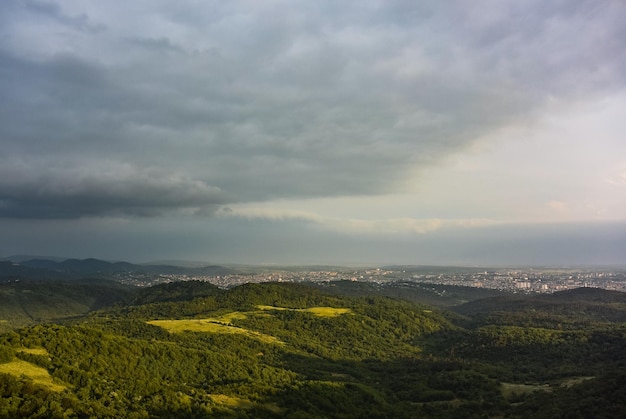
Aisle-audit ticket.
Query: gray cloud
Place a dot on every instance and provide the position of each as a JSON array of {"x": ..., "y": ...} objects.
[
  {"x": 99, "y": 190},
  {"x": 242, "y": 101}
]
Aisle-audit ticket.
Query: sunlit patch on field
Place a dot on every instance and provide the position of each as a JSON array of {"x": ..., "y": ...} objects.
[
  {"x": 270, "y": 308},
  {"x": 39, "y": 375},
  {"x": 318, "y": 311},
  {"x": 210, "y": 325},
  {"x": 228, "y": 318},
  {"x": 224, "y": 323},
  {"x": 327, "y": 311},
  {"x": 240, "y": 403},
  {"x": 230, "y": 401},
  {"x": 34, "y": 351}
]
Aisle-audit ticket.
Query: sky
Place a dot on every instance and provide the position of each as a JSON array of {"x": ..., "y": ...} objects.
[{"x": 314, "y": 132}]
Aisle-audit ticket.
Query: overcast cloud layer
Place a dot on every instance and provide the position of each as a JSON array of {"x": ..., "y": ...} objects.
[{"x": 302, "y": 113}]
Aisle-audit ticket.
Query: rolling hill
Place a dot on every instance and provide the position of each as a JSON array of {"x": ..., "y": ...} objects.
[
  {"x": 94, "y": 348},
  {"x": 26, "y": 302}
]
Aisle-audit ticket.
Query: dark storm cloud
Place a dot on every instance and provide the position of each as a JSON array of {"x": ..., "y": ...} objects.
[
  {"x": 264, "y": 100},
  {"x": 99, "y": 191}
]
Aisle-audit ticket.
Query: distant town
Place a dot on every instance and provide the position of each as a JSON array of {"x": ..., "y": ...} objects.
[{"x": 535, "y": 280}]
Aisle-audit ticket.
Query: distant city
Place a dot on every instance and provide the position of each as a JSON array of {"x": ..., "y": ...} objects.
[{"x": 535, "y": 280}]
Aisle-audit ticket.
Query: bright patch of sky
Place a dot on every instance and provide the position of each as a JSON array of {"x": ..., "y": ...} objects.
[{"x": 568, "y": 166}]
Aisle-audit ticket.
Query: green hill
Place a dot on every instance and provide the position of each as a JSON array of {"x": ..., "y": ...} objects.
[
  {"x": 566, "y": 309},
  {"x": 431, "y": 294},
  {"x": 299, "y": 351},
  {"x": 174, "y": 291},
  {"x": 27, "y": 302}
]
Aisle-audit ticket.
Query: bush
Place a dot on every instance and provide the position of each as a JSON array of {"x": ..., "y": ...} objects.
[{"x": 6, "y": 354}]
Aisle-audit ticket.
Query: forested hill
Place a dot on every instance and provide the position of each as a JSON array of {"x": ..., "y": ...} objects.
[
  {"x": 269, "y": 350},
  {"x": 431, "y": 294},
  {"x": 26, "y": 302},
  {"x": 566, "y": 308}
]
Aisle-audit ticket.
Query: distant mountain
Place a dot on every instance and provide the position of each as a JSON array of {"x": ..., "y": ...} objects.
[
  {"x": 39, "y": 264},
  {"x": 79, "y": 268},
  {"x": 10, "y": 270},
  {"x": 23, "y": 258},
  {"x": 435, "y": 269},
  {"x": 176, "y": 262},
  {"x": 87, "y": 265}
]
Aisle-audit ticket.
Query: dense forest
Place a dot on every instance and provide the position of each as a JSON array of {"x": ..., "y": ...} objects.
[{"x": 190, "y": 349}]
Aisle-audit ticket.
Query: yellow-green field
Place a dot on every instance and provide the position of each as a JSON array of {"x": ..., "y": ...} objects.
[
  {"x": 34, "y": 351},
  {"x": 239, "y": 403},
  {"x": 39, "y": 375},
  {"x": 229, "y": 317},
  {"x": 223, "y": 323},
  {"x": 268, "y": 308},
  {"x": 210, "y": 325},
  {"x": 230, "y": 401},
  {"x": 318, "y": 311}
]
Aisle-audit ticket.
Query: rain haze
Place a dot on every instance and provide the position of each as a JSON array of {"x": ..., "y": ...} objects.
[{"x": 302, "y": 132}]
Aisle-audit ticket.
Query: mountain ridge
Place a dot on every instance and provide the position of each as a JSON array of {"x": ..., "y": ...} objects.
[{"x": 76, "y": 268}]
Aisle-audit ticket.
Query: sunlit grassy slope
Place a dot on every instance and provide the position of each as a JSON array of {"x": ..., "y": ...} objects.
[
  {"x": 210, "y": 325},
  {"x": 39, "y": 375},
  {"x": 241, "y": 403},
  {"x": 34, "y": 351},
  {"x": 318, "y": 311},
  {"x": 223, "y": 324}
]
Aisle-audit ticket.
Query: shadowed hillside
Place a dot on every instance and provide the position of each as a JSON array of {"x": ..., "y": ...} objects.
[
  {"x": 26, "y": 302},
  {"x": 564, "y": 309}
]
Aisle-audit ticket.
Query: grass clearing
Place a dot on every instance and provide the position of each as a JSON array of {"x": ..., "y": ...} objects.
[
  {"x": 317, "y": 311},
  {"x": 210, "y": 325},
  {"x": 327, "y": 311},
  {"x": 228, "y": 318},
  {"x": 223, "y": 323},
  {"x": 512, "y": 391},
  {"x": 269, "y": 308},
  {"x": 34, "y": 351},
  {"x": 229, "y": 401},
  {"x": 39, "y": 375},
  {"x": 239, "y": 403}
]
